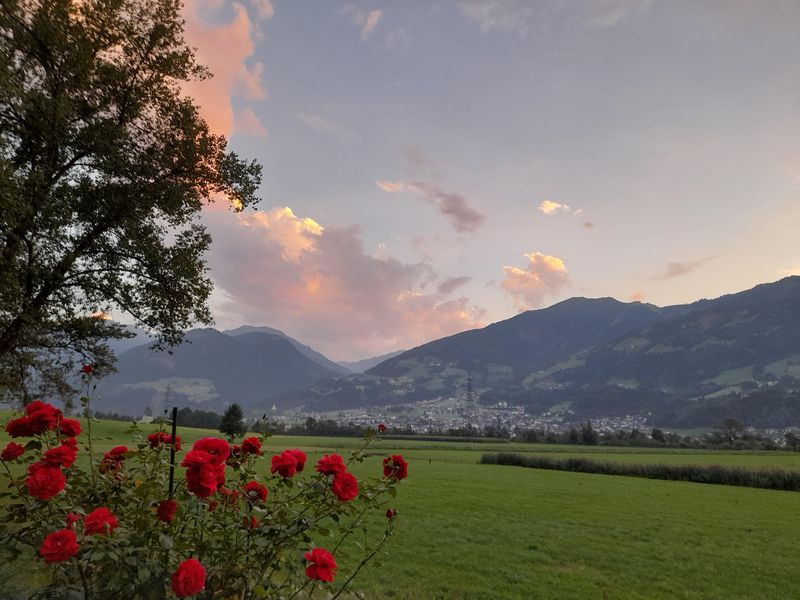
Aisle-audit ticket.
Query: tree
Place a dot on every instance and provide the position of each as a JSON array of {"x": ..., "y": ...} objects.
[
  {"x": 232, "y": 424},
  {"x": 104, "y": 168}
]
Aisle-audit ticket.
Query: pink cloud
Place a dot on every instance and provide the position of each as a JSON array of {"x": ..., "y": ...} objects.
[
  {"x": 225, "y": 48},
  {"x": 320, "y": 285},
  {"x": 544, "y": 275},
  {"x": 455, "y": 207},
  {"x": 247, "y": 123}
]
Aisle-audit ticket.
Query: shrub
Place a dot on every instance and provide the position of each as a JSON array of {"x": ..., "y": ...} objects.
[
  {"x": 112, "y": 529},
  {"x": 773, "y": 479}
]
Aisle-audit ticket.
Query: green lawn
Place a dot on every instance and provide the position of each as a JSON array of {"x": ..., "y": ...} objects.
[{"x": 470, "y": 531}]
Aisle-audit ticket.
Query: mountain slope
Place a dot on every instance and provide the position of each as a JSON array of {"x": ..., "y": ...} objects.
[
  {"x": 685, "y": 365},
  {"x": 306, "y": 351},
  {"x": 365, "y": 364},
  {"x": 209, "y": 370}
]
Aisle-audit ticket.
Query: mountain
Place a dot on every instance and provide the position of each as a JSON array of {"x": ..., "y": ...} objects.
[
  {"x": 209, "y": 370},
  {"x": 738, "y": 355},
  {"x": 306, "y": 351},
  {"x": 360, "y": 366}
]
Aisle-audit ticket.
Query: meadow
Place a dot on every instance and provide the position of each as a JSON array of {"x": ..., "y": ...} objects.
[{"x": 472, "y": 531}]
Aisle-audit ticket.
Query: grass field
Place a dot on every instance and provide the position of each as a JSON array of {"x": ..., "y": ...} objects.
[{"x": 470, "y": 531}]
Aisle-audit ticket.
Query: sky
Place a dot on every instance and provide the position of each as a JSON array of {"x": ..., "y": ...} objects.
[{"x": 431, "y": 167}]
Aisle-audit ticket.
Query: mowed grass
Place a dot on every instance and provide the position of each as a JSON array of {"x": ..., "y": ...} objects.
[{"x": 470, "y": 531}]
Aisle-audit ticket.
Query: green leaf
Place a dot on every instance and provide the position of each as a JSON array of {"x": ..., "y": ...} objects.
[
  {"x": 33, "y": 445},
  {"x": 166, "y": 541},
  {"x": 259, "y": 591}
]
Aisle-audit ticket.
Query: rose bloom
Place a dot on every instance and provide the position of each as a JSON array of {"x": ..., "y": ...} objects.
[
  {"x": 62, "y": 456},
  {"x": 322, "y": 567},
  {"x": 99, "y": 521},
  {"x": 330, "y": 465},
  {"x": 381, "y": 427},
  {"x": 395, "y": 466},
  {"x": 44, "y": 481},
  {"x": 70, "y": 442},
  {"x": 59, "y": 546},
  {"x": 344, "y": 486},
  {"x": 189, "y": 579},
  {"x": 158, "y": 438},
  {"x": 21, "y": 427},
  {"x": 255, "y": 491},
  {"x": 251, "y": 445},
  {"x": 219, "y": 449},
  {"x": 87, "y": 369},
  {"x": 202, "y": 480},
  {"x": 12, "y": 451},
  {"x": 69, "y": 427},
  {"x": 250, "y": 523},
  {"x": 301, "y": 458},
  {"x": 112, "y": 460},
  {"x": 166, "y": 510},
  {"x": 285, "y": 463},
  {"x": 43, "y": 417},
  {"x": 71, "y": 519},
  {"x": 391, "y": 513}
]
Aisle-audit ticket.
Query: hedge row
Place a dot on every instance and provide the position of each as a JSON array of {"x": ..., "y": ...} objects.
[{"x": 772, "y": 479}]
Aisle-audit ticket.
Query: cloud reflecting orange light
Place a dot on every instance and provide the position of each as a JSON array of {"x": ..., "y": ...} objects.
[
  {"x": 320, "y": 284},
  {"x": 544, "y": 275}
]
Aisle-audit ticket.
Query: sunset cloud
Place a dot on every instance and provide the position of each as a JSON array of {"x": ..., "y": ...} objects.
[
  {"x": 544, "y": 275},
  {"x": 320, "y": 123},
  {"x": 455, "y": 207},
  {"x": 549, "y": 207},
  {"x": 678, "y": 269},
  {"x": 451, "y": 284},
  {"x": 320, "y": 284},
  {"x": 390, "y": 186},
  {"x": 637, "y": 297},
  {"x": 226, "y": 48},
  {"x": 247, "y": 123},
  {"x": 366, "y": 21}
]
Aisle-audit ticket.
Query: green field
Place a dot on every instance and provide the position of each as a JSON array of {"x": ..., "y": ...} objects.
[{"x": 470, "y": 531}]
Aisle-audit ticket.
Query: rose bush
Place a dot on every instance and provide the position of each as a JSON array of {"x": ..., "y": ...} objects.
[{"x": 239, "y": 524}]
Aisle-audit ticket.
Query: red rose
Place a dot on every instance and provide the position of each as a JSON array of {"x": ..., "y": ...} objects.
[
  {"x": 202, "y": 480},
  {"x": 71, "y": 519},
  {"x": 166, "y": 510},
  {"x": 87, "y": 369},
  {"x": 99, "y": 521},
  {"x": 162, "y": 437},
  {"x": 219, "y": 449},
  {"x": 330, "y": 465},
  {"x": 391, "y": 513},
  {"x": 285, "y": 463},
  {"x": 251, "y": 445},
  {"x": 395, "y": 466},
  {"x": 112, "y": 460},
  {"x": 255, "y": 491},
  {"x": 344, "y": 486},
  {"x": 301, "y": 458},
  {"x": 59, "y": 546},
  {"x": 322, "y": 566},
  {"x": 42, "y": 416},
  {"x": 381, "y": 427},
  {"x": 230, "y": 496},
  {"x": 62, "y": 456},
  {"x": 250, "y": 523},
  {"x": 69, "y": 428},
  {"x": 189, "y": 579},
  {"x": 12, "y": 451},
  {"x": 70, "y": 443},
  {"x": 197, "y": 458},
  {"x": 44, "y": 481},
  {"x": 21, "y": 427}
]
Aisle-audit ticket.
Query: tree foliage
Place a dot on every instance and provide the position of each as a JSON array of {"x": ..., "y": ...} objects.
[
  {"x": 104, "y": 168},
  {"x": 232, "y": 423}
]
